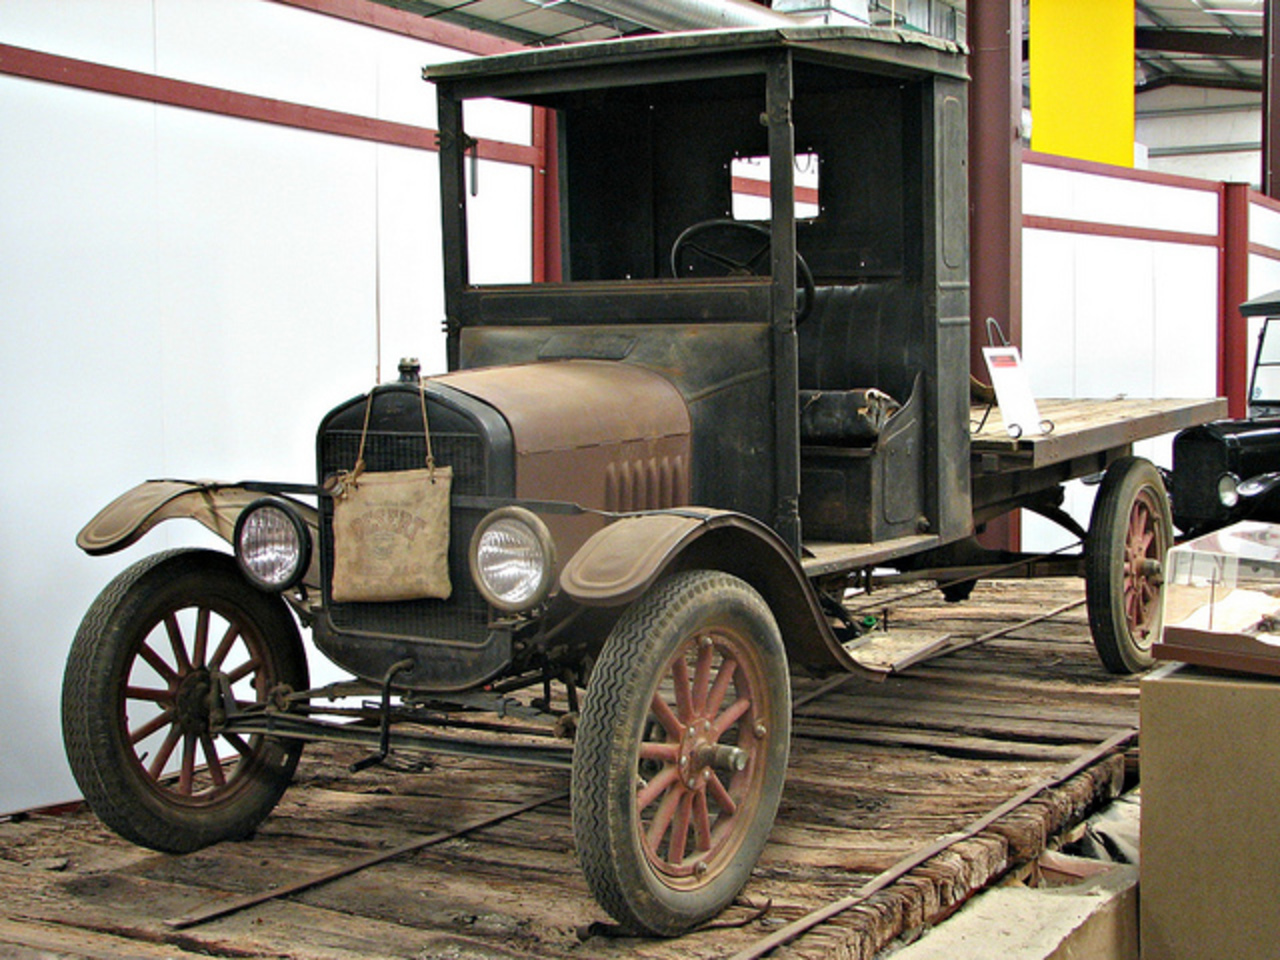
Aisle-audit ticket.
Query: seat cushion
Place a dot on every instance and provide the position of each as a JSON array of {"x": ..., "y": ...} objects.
[{"x": 844, "y": 417}]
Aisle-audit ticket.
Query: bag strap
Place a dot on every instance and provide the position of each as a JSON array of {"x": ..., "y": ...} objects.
[
  {"x": 352, "y": 476},
  {"x": 426, "y": 429}
]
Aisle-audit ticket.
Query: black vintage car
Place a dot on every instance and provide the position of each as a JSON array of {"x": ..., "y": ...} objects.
[
  {"x": 667, "y": 465},
  {"x": 1229, "y": 470}
]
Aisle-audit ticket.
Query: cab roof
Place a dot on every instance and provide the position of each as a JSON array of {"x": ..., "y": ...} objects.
[
  {"x": 1267, "y": 305},
  {"x": 608, "y": 63}
]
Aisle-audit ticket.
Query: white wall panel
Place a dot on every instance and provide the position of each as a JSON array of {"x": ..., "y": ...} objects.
[
  {"x": 116, "y": 33},
  {"x": 498, "y": 120},
  {"x": 1264, "y": 226},
  {"x": 185, "y": 294},
  {"x": 1104, "y": 316},
  {"x": 1115, "y": 318},
  {"x": 287, "y": 53},
  {"x": 503, "y": 198},
  {"x": 267, "y": 286},
  {"x": 79, "y": 386},
  {"x": 1049, "y": 311},
  {"x": 1185, "y": 293},
  {"x": 1264, "y": 275},
  {"x": 410, "y": 290},
  {"x": 403, "y": 96},
  {"x": 1072, "y": 195},
  {"x": 268, "y": 49}
]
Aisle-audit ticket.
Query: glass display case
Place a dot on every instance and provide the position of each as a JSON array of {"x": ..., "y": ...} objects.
[{"x": 1222, "y": 600}]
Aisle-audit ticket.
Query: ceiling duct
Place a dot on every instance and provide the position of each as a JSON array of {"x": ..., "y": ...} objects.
[{"x": 671, "y": 15}]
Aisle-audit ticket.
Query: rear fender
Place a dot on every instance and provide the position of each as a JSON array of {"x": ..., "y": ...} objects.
[
  {"x": 622, "y": 561},
  {"x": 129, "y": 517}
]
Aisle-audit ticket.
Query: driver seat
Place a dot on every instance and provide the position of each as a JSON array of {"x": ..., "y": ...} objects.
[{"x": 851, "y": 375}]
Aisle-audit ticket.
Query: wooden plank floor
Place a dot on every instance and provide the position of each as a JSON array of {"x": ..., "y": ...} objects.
[{"x": 878, "y": 770}]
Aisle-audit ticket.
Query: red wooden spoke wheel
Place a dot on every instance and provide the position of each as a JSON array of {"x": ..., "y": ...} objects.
[
  {"x": 1129, "y": 535},
  {"x": 706, "y": 773},
  {"x": 170, "y": 648},
  {"x": 681, "y": 752},
  {"x": 1143, "y": 559}
]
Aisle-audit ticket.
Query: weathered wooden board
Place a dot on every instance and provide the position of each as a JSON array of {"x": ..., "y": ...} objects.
[
  {"x": 1082, "y": 427},
  {"x": 878, "y": 770}
]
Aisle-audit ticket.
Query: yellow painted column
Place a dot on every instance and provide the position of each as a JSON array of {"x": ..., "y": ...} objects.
[{"x": 1082, "y": 79}]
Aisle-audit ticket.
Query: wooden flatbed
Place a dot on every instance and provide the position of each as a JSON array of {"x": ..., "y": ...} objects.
[
  {"x": 878, "y": 771},
  {"x": 1082, "y": 427}
]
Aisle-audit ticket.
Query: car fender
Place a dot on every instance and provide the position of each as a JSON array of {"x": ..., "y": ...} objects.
[
  {"x": 623, "y": 560},
  {"x": 130, "y": 516}
]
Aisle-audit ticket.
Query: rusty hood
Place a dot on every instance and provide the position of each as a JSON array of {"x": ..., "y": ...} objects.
[
  {"x": 570, "y": 404},
  {"x": 605, "y": 435}
]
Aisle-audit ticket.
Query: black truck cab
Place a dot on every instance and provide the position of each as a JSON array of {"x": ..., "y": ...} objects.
[{"x": 822, "y": 348}]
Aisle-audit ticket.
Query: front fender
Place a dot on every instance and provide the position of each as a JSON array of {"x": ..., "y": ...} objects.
[
  {"x": 623, "y": 560},
  {"x": 130, "y": 516}
]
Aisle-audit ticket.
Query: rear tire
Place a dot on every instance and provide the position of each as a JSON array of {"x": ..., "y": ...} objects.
[
  {"x": 146, "y": 676},
  {"x": 1130, "y": 534},
  {"x": 681, "y": 752}
]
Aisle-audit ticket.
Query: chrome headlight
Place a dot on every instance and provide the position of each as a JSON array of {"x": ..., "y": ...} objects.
[
  {"x": 512, "y": 559},
  {"x": 273, "y": 545},
  {"x": 1228, "y": 490}
]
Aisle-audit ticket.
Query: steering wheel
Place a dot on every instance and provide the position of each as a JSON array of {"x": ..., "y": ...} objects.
[{"x": 754, "y": 264}]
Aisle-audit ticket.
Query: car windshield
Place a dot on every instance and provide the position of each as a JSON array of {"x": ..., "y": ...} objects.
[{"x": 1266, "y": 370}]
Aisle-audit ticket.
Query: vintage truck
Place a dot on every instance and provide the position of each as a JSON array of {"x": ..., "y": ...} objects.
[
  {"x": 667, "y": 467},
  {"x": 1229, "y": 470}
]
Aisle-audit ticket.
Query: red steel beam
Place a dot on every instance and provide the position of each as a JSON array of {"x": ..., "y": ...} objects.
[
  {"x": 995, "y": 193},
  {"x": 1270, "y": 91},
  {"x": 995, "y": 172},
  {"x": 50, "y": 68},
  {"x": 1233, "y": 331}
]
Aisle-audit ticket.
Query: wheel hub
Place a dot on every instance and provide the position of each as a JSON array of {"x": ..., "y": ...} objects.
[
  {"x": 191, "y": 702},
  {"x": 697, "y": 752}
]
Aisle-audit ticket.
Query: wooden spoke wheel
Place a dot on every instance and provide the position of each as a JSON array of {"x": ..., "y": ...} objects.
[
  {"x": 1129, "y": 535},
  {"x": 170, "y": 648},
  {"x": 681, "y": 752}
]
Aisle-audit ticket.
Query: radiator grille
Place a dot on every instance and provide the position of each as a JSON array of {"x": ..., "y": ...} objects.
[
  {"x": 1198, "y": 462},
  {"x": 464, "y": 616}
]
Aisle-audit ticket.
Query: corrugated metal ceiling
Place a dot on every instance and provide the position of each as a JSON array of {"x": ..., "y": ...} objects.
[
  {"x": 1200, "y": 43},
  {"x": 1194, "y": 42}
]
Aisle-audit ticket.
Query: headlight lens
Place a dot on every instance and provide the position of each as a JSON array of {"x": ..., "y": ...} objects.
[
  {"x": 513, "y": 559},
  {"x": 273, "y": 545},
  {"x": 1228, "y": 490}
]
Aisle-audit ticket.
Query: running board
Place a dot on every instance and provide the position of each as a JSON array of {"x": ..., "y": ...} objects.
[
  {"x": 892, "y": 651},
  {"x": 819, "y": 558}
]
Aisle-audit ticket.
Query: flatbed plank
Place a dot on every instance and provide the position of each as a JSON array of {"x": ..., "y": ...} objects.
[
  {"x": 1083, "y": 427},
  {"x": 879, "y": 769}
]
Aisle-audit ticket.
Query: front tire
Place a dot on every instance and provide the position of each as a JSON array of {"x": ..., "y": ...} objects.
[
  {"x": 155, "y": 659},
  {"x": 1130, "y": 534},
  {"x": 681, "y": 752}
]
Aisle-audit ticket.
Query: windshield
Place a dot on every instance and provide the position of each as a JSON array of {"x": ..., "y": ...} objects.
[{"x": 1265, "y": 390}]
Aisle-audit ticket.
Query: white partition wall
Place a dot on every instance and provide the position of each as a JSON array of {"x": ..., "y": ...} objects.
[
  {"x": 1120, "y": 295},
  {"x": 222, "y": 225},
  {"x": 1126, "y": 290}
]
